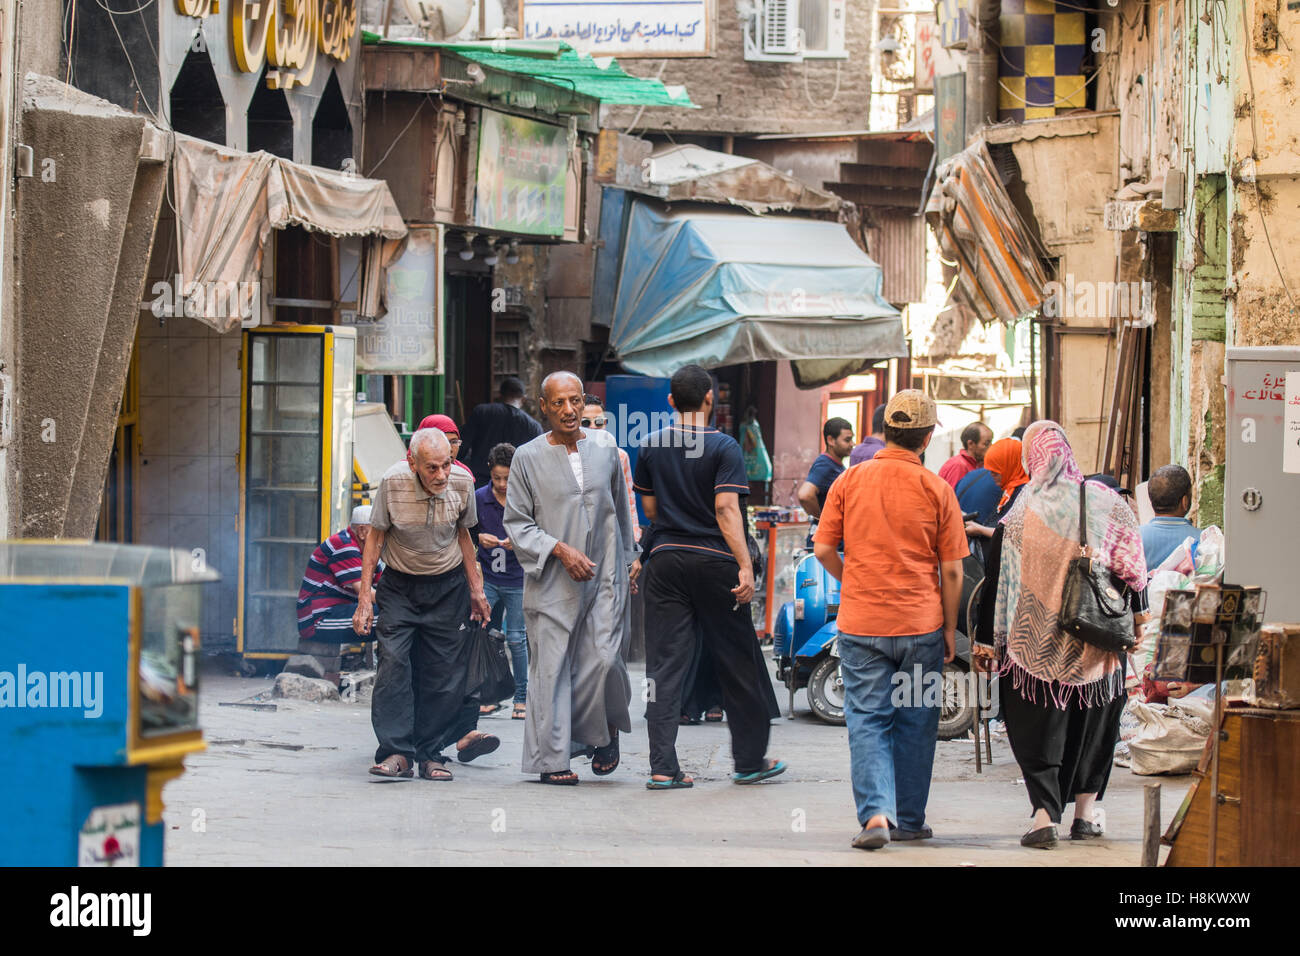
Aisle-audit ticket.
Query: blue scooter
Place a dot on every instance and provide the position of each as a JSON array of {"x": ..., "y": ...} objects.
[{"x": 804, "y": 648}]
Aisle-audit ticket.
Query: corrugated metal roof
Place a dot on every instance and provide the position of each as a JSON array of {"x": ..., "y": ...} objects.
[
  {"x": 557, "y": 64},
  {"x": 897, "y": 243}
]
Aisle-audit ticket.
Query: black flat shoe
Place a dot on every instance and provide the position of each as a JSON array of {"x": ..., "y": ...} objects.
[
  {"x": 872, "y": 838},
  {"x": 1084, "y": 830},
  {"x": 1044, "y": 838},
  {"x": 902, "y": 836}
]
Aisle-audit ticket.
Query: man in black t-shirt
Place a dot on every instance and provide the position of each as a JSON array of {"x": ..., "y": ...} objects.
[
  {"x": 495, "y": 423},
  {"x": 691, "y": 479}
]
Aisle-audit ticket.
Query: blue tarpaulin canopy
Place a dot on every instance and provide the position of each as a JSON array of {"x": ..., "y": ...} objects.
[{"x": 719, "y": 288}]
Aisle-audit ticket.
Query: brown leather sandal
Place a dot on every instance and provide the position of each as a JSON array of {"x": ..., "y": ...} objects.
[
  {"x": 394, "y": 765},
  {"x": 434, "y": 770}
]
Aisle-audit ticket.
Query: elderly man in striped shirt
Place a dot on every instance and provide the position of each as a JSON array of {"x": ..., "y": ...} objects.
[{"x": 328, "y": 596}]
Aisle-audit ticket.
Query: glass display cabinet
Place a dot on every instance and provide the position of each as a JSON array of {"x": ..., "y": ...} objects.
[
  {"x": 102, "y": 645},
  {"x": 295, "y": 471}
]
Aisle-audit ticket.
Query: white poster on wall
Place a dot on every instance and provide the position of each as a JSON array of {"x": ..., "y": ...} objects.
[
  {"x": 408, "y": 340},
  {"x": 1291, "y": 425},
  {"x": 621, "y": 27},
  {"x": 110, "y": 836}
]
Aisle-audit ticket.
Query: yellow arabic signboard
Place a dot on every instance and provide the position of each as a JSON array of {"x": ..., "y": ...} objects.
[{"x": 286, "y": 34}]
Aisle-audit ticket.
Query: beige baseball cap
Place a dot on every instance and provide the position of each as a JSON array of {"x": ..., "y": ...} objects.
[{"x": 911, "y": 408}]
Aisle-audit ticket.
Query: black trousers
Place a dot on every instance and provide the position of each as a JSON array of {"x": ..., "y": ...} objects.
[
  {"x": 1061, "y": 753},
  {"x": 424, "y": 644},
  {"x": 683, "y": 589}
]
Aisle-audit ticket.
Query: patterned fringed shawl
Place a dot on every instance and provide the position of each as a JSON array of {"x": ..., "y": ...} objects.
[{"x": 1040, "y": 536}]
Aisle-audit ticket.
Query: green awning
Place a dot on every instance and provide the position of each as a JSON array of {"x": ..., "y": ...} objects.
[{"x": 558, "y": 64}]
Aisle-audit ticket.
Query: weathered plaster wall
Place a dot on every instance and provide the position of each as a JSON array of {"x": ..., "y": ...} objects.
[
  {"x": 84, "y": 232},
  {"x": 736, "y": 96},
  {"x": 31, "y": 36},
  {"x": 1069, "y": 172},
  {"x": 796, "y": 438},
  {"x": 1265, "y": 183}
]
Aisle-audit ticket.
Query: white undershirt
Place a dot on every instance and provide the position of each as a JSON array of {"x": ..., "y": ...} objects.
[{"x": 575, "y": 462}]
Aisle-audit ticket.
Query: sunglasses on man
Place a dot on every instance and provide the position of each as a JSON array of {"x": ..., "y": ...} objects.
[{"x": 594, "y": 422}]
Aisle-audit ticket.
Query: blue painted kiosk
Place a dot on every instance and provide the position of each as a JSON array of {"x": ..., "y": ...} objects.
[{"x": 99, "y": 660}]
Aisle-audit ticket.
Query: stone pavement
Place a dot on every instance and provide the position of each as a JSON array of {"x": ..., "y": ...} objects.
[{"x": 290, "y": 787}]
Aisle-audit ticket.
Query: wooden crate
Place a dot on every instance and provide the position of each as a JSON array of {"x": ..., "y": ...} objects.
[{"x": 1259, "y": 775}]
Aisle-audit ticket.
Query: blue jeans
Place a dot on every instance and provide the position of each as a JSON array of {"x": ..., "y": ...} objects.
[
  {"x": 893, "y": 725},
  {"x": 508, "y": 605}
]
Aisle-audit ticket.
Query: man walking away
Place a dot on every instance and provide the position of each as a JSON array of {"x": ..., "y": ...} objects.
[
  {"x": 494, "y": 423},
  {"x": 420, "y": 523},
  {"x": 901, "y": 571},
  {"x": 975, "y": 440},
  {"x": 567, "y": 515},
  {"x": 1170, "y": 491},
  {"x": 873, "y": 443},
  {"x": 837, "y": 437},
  {"x": 691, "y": 479}
]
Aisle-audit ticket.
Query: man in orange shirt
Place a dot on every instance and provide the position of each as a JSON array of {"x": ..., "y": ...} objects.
[{"x": 904, "y": 542}]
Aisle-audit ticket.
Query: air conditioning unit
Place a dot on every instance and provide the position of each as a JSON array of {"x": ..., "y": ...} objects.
[{"x": 772, "y": 33}]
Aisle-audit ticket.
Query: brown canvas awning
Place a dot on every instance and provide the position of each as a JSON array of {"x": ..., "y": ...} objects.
[
  {"x": 999, "y": 273},
  {"x": 228, "y": 201}
]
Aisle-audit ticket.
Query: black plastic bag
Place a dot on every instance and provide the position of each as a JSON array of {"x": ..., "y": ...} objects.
[{"x": 489, "y": 679}]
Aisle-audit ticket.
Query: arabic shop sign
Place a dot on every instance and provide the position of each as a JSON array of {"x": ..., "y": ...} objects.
[
  {"x": 620, "y": 27},
  {"x": 408, "y": 339},
  {"x": 521, "y": 175},
  {"x": 110, "y": 836},
  {"x": 286, "y": 34}
]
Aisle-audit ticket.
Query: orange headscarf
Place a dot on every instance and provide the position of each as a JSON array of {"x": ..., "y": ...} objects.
[{"x": 1003, "y": 459}]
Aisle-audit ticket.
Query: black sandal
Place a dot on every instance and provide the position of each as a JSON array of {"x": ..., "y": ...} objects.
[
  {"x": 603, "y": 755},
  {"x": 679, "y": 782},
  {"x": 561, "y": 778}
]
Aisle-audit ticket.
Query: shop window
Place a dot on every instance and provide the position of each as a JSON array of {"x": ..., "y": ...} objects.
[
  {"x": 270, "y": 124},
  {"x": 331, "y": 129},
  {"x": 306, "y": 267},
  {"x": 197, "y": 108}
]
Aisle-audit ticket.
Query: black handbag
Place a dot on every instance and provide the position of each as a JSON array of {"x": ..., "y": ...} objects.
[{"x": 1096, "y": 605}]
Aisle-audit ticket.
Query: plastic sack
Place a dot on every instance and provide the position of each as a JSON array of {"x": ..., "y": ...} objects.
[
  {"x": 758, "y": 463},
  {"x": 1209, "y": 552},
  {"x": 489, "y": 677},
  {"x": 1180, "y": 559},
  {"x": 1170, "y": 737}
]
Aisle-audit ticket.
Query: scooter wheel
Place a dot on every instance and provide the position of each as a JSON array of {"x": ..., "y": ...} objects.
[{"x": 826, "y": 691}]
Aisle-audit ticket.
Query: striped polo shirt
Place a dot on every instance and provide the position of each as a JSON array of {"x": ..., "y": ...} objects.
[{"x": 335, "y": 564}]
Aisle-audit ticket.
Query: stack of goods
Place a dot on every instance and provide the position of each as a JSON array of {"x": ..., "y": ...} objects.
[
  {"x": 1277, "y": 667},
  {"x": 1195, "y": 561},
  {"x": 1197, "y": 620}
]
